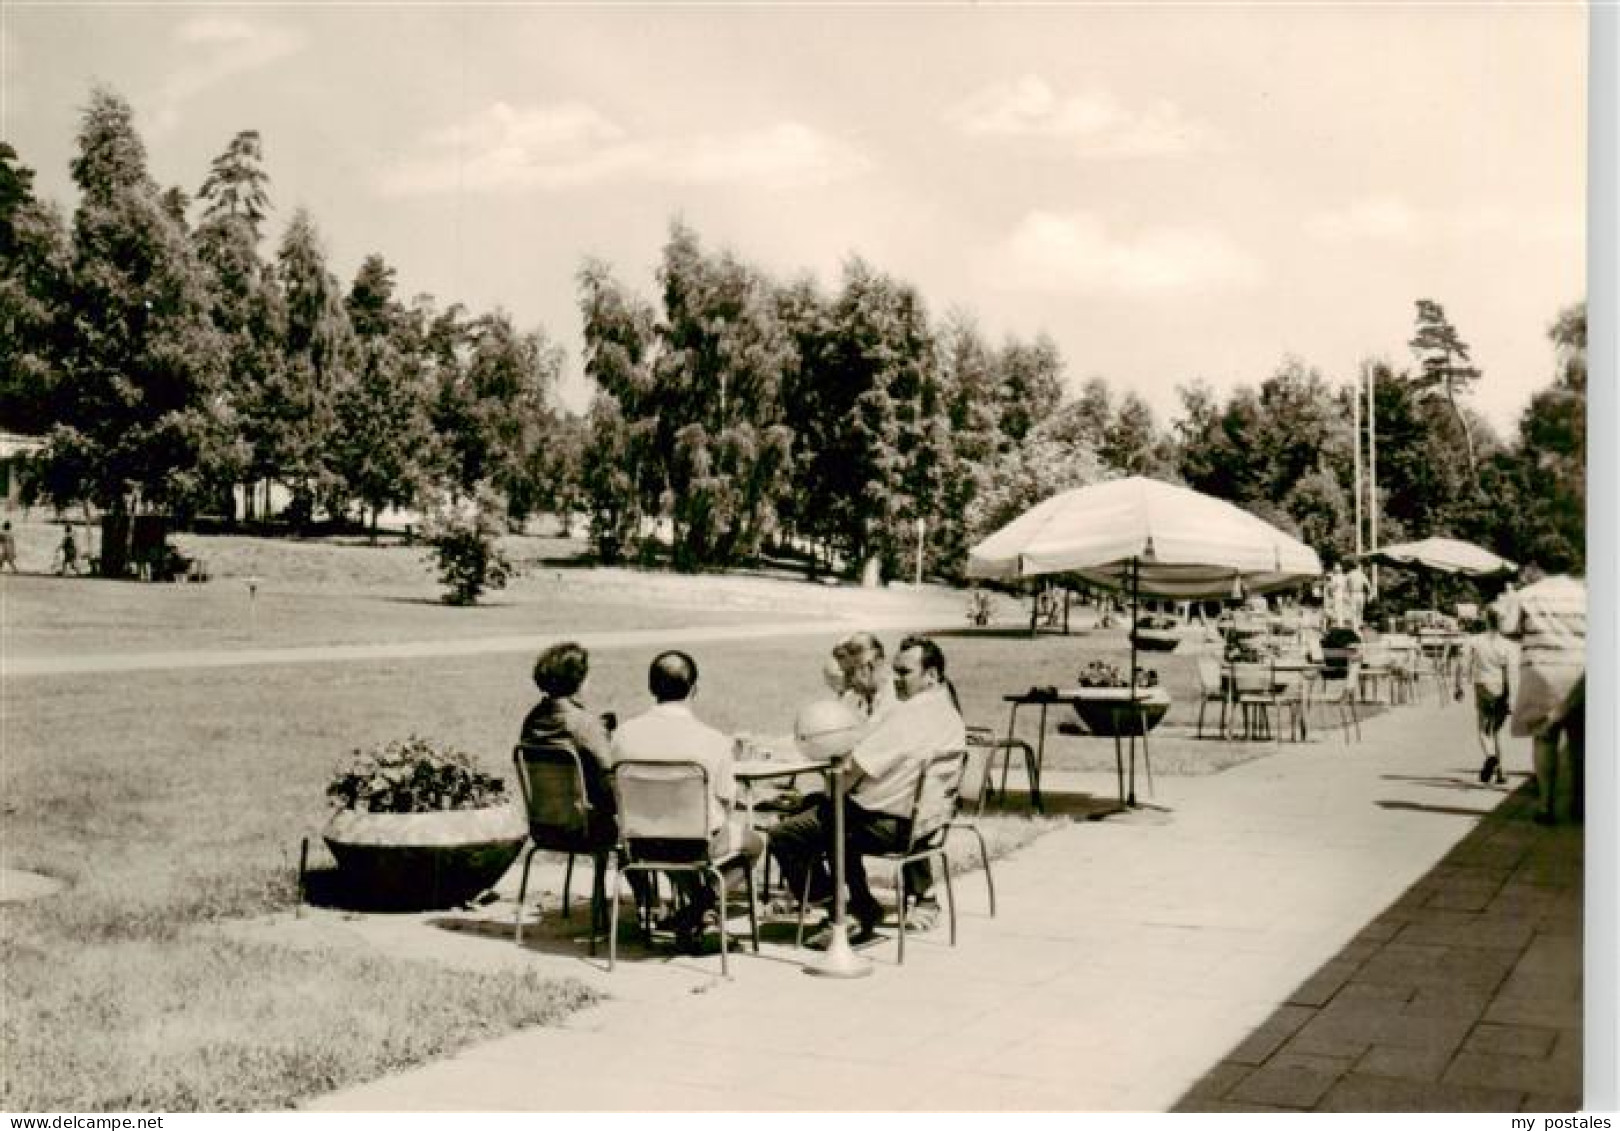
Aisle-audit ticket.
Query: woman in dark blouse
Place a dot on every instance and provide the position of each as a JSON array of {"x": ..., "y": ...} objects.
[{"x": 560, "y": 719}]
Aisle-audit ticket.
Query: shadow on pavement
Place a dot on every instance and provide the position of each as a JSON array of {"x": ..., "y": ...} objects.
[{"x": 1463, "y": 995}]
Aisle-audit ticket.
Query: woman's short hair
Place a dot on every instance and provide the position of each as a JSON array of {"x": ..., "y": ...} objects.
[{"x": 561, "y": 669}]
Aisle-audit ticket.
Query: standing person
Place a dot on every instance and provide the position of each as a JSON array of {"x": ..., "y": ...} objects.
[
  {"x": 669, "y": 732},
  {"x": 882, "y": 778},
  {"x": 1487, "y": 663},
  {"x": 1548, "y": 618},
  {"x": 1357, "y": 587},
  {"x": 67, "y": 552},
  {"x": 1338, "y": 596},
  {"x": 8, "y": 547}
]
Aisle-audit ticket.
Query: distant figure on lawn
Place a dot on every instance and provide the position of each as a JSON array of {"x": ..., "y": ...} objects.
[
  {"x": 670, "y": 732},
  {"x": 8, "y": 548},
  {"x": 1357, "y": 587},
  {"x": 67, "y": 552}
]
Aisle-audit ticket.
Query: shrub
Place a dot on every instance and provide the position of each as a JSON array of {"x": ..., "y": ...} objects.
[
  {"x": 413, "y": 776},
  {"x": 462, "y": 539}
]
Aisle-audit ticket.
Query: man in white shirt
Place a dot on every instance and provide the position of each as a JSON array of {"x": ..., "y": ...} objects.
[
  {"x": 669, "y": 732},
  {"x": 1548, "y": 619},
  {"x": 881, "y": 781}
]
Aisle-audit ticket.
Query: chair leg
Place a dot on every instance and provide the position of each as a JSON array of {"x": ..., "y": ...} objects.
[
  {"x": 599, "y": 894},
  {"x": 804, "y": 897},
  {"x": 613, "y": 921},
  {"x": 984, "y": 856},
  {"x": 753, "y": 908},
  {"x": 1202, "y": 704},
  {"x": 568, "y": 879},
  {"x": 720, "y": 886},
  {"x": 950, "y": 893},
  {"x": 523, "y": 890},
  {"x": 900, "y": 886}
]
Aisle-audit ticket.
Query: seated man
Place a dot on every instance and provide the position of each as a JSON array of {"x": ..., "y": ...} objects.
[
  {"x": 881, "y": 780},
  {"x": 669, "y": 732}
]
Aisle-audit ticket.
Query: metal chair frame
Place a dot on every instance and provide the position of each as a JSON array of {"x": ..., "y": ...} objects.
[
  {"x": 682, "y": 816},
  {"x": 559, "y": 823},
  {"x": 1212, "y": 690}
]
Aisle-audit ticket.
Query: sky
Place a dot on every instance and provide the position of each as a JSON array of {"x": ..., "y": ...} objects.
[{"x": 1172, "y": 192}]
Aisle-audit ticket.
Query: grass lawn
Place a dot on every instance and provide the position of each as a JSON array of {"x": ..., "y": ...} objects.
[{"x": 173, "y": 799}]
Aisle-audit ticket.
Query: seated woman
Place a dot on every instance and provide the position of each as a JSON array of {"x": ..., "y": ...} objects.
[{"x": 561, "y": 719}]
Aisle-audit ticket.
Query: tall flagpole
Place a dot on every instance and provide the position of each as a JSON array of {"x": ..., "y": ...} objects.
[
  {"x": 1372, "y": 468},
  {"x": 1355, "y": 415}
]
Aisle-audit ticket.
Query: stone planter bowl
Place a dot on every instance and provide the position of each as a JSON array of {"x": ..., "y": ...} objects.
[
  {"x": 423, "y": 861},
  {"x": 1095, "y": 713}
]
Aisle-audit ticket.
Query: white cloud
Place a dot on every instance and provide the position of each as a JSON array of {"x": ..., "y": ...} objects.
[
  {"x": 214, "y": 29},
  {"x": 1075, "y": 252},
  {"x": 1094, "y": 123},
  {"x": 1389, "y": 219},
  {"x": 504, "y": 148},
  {"x": 1377, "y": 218},
  {"x": 218, "y": 48}
]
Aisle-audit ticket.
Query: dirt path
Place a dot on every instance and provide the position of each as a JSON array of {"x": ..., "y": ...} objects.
[{"x": 485, "y": 645}]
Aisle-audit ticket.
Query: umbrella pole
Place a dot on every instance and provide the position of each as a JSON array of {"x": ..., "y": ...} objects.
[{"x": 1136, "y": 613}]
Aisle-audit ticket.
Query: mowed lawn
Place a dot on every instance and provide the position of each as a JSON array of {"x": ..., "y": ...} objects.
[{"x": 176, "y": 798}]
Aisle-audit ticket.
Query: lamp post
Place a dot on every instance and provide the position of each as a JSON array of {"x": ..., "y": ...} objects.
[{"x": 840, "y": 961}]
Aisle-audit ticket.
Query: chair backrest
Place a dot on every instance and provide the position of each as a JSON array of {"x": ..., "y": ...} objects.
[
  {"x": 939, "y": 786},
  {"x": 1248, "y": 678},
  {"x": 552, "y": 781},
  {"x": 976, "y": 774},
  {"x": 661, "y": 800},
  {"x": 1209, "y": 676}
]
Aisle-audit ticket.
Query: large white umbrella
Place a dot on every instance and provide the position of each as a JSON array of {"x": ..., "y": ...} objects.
[
  {"x": 1146, "y": 535},
  {"x": 1444, "y": 555}
]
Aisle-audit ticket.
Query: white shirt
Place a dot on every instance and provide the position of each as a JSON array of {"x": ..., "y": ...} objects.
[
  {"x": 669, "y": 732},
  {"x": 890, "y": 754}
]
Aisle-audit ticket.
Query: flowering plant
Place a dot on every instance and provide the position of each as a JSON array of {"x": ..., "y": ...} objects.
[
  {"x": 1100, "y": 673},
  {"x": 413, "y": 776}
]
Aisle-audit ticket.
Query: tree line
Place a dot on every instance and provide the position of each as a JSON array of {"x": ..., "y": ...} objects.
[{"x": 172, "y": 361}]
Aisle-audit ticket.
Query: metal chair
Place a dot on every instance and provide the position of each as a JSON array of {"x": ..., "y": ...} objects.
[
  {"x": 562, "y": 819},
  {"x": 664, "y": 827},
  {"x": 970, "y": 807},
  {"x": 1292, "y": 686},
  {"x": 934, "y": 803},
  {"x": 1211, "y": 689},
  {"x": 1254, "y": 693},
  {"x": 1343, "y": 693},
  {"x": 985, "y": 737}
]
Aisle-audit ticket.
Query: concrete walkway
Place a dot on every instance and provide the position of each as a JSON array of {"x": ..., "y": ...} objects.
[{"x": 1273, "y": 936}]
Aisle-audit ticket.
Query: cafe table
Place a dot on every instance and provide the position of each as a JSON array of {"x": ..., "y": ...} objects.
[{"x": 1128, "y": 717}]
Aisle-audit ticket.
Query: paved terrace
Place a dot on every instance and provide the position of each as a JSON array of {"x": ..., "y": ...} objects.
[{"x": 1332, "y": 927}]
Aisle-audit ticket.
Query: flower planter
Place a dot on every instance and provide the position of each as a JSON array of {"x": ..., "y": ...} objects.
[
  {"x": 424, "y": 861},
  {"x": 1098, "y": 708}
]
